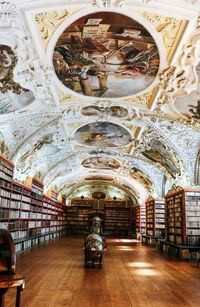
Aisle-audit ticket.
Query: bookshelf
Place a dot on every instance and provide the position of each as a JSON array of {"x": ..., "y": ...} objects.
[
  {"x": 31, "y": 217},
  {"x": 155, "y": 222},
  {"x": 141, "y": 219},
  {"x": 133, "y": 220},
  {"x": 6, "y": 176},
  {"x": 155, "y": 217},
  {"x": 183, "y": 218},
  {"x": 117, "y": 216}
]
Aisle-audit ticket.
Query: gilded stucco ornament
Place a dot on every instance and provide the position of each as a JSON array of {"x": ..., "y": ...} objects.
[
  {"x": 168, "y": 27},
  {"x": 49, "y": 21}
]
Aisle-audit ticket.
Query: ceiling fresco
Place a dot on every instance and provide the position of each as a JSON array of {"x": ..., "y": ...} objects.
[
  {"x": 101, "y": 163},
  {"x": 157, "y": 152},
  {"x": 102, "y": 134},
  {"x": 141, "y": 177},
  {"x": 101, "y": 94},
  {"x": 106, "y": 54},
  {"x": 12, "y": 95},
  {"x": 115, "y": 111}
]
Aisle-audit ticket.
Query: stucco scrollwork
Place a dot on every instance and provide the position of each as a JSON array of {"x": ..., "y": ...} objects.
[
  {"x": 168, "y": 28},
  {"x": 108, "y": 3},
  {"x": 34, "y": 73},
  {"x": 180, "y": 79},
  {"x": 49, "y": 21}
]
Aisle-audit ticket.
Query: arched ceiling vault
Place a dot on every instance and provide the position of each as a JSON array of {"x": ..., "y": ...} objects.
[{"x": 107, "y": 92}]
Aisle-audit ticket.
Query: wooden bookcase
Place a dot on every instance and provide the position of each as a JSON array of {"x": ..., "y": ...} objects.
[
  {"x": 6, "y": 177},
  {"x": 117, "y": 215},
  {"x": 141, "y": 219},
  {"x": 183, "y": 218},
  {"x": 155, "y": 218},
  {"x": 31, "y": 217},
  {"x": 133, "y": 220}
]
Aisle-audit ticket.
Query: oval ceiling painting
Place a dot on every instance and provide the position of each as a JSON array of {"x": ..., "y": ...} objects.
[
  {"x": 103, "y": 134},
  {"x": 106, "y": 54},
  {"x": 100, "y": 163},
  {"x": 115, "y": 111}
]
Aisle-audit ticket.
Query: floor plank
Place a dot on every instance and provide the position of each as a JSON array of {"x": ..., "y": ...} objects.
[{"x": 132, "y": 275}]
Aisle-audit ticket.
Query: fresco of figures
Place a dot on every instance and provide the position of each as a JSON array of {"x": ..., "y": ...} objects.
[
  {"x": 42, "y": 149},
  {"x": 114, "y": 111},
  {"x": 12, "y": 96},
  {"x": 100, "y": 163},
  {"x": 141, "y": 177},
  {"x": 103, "y": 134},
  {"x": 106, "y": 54},
  {"x": 158, "y": 153}
]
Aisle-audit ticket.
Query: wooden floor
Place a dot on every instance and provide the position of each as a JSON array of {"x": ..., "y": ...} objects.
[{"x": 132, "y": 275}]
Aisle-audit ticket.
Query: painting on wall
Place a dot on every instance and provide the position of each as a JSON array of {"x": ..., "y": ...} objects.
[
  {"x": 140, "y": 176},
  {"x": 188, "y": 109},
  {"x": 106, "y": 54},
  {"x": 114, "y": 111},
  {"x": 103, "y": 134},
  {"x": 41, "y": 150},
  {"x": 158, "y": 153},
  {"x": 4, "y": 152},
  {"x": 101, "y": 163},
  {"x": 12, "y": 95}
]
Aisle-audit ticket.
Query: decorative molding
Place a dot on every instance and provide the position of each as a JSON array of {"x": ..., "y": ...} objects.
[
  {"x": 34, "y": 73},
  {"x": 144, "y": 101},
  {"x": 49, "y": 21},
  {"x": 181, "y": 78},
  {"x": 168, "y": 27},
  {"x": 108, "y": 3},
  {"x": 174, "y": 189},
  {"x": 8, "y": 14}
]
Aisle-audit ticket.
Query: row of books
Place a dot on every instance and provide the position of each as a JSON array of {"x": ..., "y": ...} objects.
[
  {"x": 4, "y": 192},
  {"x": 7, "y": 165}
]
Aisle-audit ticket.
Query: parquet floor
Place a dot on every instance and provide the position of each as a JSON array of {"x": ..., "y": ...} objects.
[{"x": 132, "y": 275}]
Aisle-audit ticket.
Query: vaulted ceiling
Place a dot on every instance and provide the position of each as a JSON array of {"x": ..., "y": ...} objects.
[{"x": 101, "y": 95}]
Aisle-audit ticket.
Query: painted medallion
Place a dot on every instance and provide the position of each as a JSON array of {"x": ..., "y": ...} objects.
[
  {"x": 100, "y": 163},
  {"x": 103, "y": 134},
  {"x": 106, "y": 54}
]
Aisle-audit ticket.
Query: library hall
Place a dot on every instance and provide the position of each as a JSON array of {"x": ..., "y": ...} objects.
[{"x": 99, "y": 153}]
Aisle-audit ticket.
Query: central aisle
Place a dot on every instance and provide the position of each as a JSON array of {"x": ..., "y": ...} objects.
[{"x": 132, "y": 275}]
